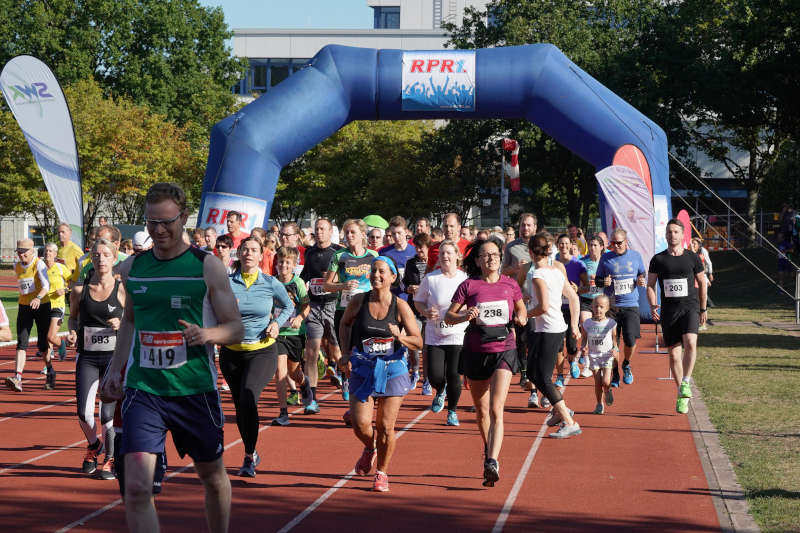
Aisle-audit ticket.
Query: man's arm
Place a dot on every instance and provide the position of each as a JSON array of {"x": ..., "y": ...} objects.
[
  {"x": 111, "y": 384},
  {"x": 652, "y": 297}
]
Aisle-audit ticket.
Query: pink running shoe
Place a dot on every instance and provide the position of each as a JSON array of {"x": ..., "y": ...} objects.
[
  {"x": 365, "y": 462},
  {"x": 381, "y": 483}
]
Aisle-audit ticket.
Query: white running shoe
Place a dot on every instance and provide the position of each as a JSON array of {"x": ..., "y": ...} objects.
[{"x": 586, "y": 373}]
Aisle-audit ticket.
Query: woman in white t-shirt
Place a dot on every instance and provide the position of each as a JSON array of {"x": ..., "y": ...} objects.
[
  {"x": 443, "y": 341},
  {"x": 544, "y": 285}
]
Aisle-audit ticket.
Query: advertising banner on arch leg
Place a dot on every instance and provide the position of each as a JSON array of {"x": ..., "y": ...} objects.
[{"x": 217, "y": 205}]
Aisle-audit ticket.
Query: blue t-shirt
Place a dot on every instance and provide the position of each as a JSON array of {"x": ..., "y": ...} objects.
[
  {"x": 591, "y": 268},
  {"x": 623, "y": 269},
  {"x": 400, "y": 259}
]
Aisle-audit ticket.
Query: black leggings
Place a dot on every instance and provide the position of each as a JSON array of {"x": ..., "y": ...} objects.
[
  {"x": 543, "y": 350},
  {"x": 442, "y": 365},
  {"x": 247, "y": 373},
  {"x": 89, "y": 369},
  {"x": 572, "y": 342}
]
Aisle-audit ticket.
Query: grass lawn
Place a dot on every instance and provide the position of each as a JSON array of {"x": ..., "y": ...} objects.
[{"x": 750, "y": 379}]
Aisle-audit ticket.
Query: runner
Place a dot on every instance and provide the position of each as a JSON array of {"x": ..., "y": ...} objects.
[
  {"x": 68, "y": 252},
  {"x": 599, "y": 347},
  {"x": 348, "y": 274},
  {"x": 621, "y": 271},
  {"x": 320, "y": 324},
  {"x": 683, "y": 306},
  {"x": 591, "y": 291},
  {"x": 489, "y": 357},
  {"x": 249, "y": 365},
  {"x": 443, "y": 342},
  {"x": 5, "y": 328},
  {"x": 545, "y": 284},
  {"x": 110, "y": 233},
  {"x": 422, "y": 225},
  {"x": 33, "y": 286},
  {"x": 210, "y": 237},
  {"x": 576, "y": 275},
  {"x": 267, "y": 265},
  {"x": 375, "y": 239},
  {"x": 414, "y": 271},
  {"x": 290, "y": 237},
  {"x": 452, "y": 231},
  {"x": 292, "y": 333},
  {"x": 576, "y": 236},
  {"x": 171, "y": 378},
  {"x": 58, "y": 277},
  {"x": 95, "y": 312},
  {"x": 369, "y": 342},
  {"x": 223, "y": 249},
  {"x": 233, "y": 223}
]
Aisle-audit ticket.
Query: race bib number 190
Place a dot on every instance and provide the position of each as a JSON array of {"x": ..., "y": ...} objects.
[{"x": 161, "y": 350}]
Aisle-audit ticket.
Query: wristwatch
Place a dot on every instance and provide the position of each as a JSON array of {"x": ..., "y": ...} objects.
[{"x": 702, "y": 310}]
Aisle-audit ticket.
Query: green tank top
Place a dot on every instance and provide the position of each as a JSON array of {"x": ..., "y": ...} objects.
[{"x": 160, "y": 361}]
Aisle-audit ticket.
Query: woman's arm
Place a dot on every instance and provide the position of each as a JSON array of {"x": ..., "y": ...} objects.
[
  {"x": 540, "y": 291},
  {"x": 412, "y": 338}
]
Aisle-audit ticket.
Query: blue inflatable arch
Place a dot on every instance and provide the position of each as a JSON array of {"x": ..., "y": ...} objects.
[{"x": 342, "y": 84}]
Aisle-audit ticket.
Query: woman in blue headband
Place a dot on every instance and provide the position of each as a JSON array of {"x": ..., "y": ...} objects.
[{"x": 376, "y": 331}]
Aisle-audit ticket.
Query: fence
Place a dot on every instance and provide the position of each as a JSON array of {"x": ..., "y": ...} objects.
[{"x": 727, "y": 231}]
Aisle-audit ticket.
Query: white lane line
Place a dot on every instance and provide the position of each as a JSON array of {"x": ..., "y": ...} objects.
[
  {"x": 339, "y": 484},
  {"x": 94, "y": 514},
  {"x": 48, "y": 454},
  {"x": 43, "y": 408},
  {"x": 523, "y": 473}
]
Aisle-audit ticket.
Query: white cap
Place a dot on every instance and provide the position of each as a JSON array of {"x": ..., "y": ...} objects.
[{"x": 141, "y": 240}]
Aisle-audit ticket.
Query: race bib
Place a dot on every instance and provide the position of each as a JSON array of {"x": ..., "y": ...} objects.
[
  {"x": 443, "y": 327},
  {"x": 593, "y": 288},
  {"x": 347, "y": 295},
  {"x": 623, "y": 286},
  {"x": 378, "y": 346},
  {"x": 492, "y": 313},
  {"x": 600, "y": 344},
  {"x": 676, "y": 288},
  {"x": 161, "y": 350},
  {"x": 99, "y": 339},
  {"x": 315, "y": 287},
  {"x": 26, "y": 285}
]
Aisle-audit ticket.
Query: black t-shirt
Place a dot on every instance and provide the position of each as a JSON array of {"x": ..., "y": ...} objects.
[
  {"x": 676, "y": 277},
  {"x": 316, "y": 264},
  {"x": 415, "y": 271}
]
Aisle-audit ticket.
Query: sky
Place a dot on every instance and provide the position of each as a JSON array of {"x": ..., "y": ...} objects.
[{"x": 295, "y": 14}]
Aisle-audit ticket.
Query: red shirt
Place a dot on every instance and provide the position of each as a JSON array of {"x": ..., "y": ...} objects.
[
  {"x": 237, "y": 240},
  {"x": 433, "y": 252}
]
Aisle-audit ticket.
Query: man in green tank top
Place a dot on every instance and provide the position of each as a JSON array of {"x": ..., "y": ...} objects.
[{"x": 179, "y": 305}]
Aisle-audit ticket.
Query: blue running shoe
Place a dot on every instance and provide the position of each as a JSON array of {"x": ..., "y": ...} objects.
[
  {"x": 452, "y": 418},
  {"x": 615, "y": 377},
  {"x": 414, "y": 381},
  {"x": 627, "y": 375},
  {"x": 346, "y": 390},
  {"x": 438, "y": 402},
  {"x": 559, "y": 382},
  {"x": 575, "y": 370},
  {"x": 427, "y": 390},
  {"x": 581, "y": 360},
  {"x": 312, "y": 408}
]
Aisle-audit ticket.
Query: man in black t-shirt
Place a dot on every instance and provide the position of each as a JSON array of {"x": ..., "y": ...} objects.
[
  {"x": 320, "y": 323},
  {"x": 680, "y": 276}
]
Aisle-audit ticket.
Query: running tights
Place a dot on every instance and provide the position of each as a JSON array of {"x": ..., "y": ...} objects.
[
  {"x": 543, "y": 350},
  {"x": 89, "y": 369},
  {"x": 247, "y": 373},
  {"x": 442, "y": 366}
]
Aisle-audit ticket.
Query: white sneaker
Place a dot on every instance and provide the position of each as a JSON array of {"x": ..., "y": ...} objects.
[
  {"x": 566, "y": 431},
  {"x": 44, "y": 370},
  {"x": 533, "y": 400},
  {"x": 586, "y": 373},
  {"x": 545, "y": 402}
]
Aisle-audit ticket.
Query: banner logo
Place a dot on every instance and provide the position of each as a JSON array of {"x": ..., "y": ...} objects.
[
  {"x": 436, "y": 81},
  {"x": 29, "y": 93},
  {"x": 216, "y": 207}
]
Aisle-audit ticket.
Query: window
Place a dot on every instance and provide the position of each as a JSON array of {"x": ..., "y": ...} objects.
[
  {"x": 387, "y": 17},
  {"x": 259, "y": 77},
  {"x": 279, "y": 71}
]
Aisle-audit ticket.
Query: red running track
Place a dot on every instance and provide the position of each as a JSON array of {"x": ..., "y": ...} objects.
[{"x": 635, "y": 468}]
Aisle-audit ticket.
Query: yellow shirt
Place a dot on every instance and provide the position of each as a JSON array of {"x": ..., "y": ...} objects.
[
  {"x": 249, "y": 279},
  {"x": 29, "y": 281},
  {"x": 69, "y": 255},
  {"x": 58, "y": 275}
]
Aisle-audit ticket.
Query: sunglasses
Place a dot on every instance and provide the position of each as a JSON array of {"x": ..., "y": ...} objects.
[
  {"x": 153, "y": 222},
  {"x": 617, "y": 243},
  {"x": 23, "y": 250}
]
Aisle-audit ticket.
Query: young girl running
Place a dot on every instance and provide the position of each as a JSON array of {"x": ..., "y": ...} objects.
[{"x": 600, "y": 346}]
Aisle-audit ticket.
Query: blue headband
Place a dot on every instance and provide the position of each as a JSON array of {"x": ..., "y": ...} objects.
[{"x": 387, "y": 261}]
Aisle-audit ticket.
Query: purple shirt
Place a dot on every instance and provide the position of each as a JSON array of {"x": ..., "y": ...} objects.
[{"x": 476, "y": 292}]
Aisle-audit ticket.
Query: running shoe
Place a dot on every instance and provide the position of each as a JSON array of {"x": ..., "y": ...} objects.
[
  {"x": 414, "y": 380},
  {"x": 555, "y": 419},
  {"x": 427, "y": 390},
  {"x": 225, "y": 386},
  {"x": 322, "y": 366},
  {"x": 282, "y": 420},
  {"x": 615, "y": 377},
  {"x": 438, "y": 402},
  {"x": 90, "y": 459},
  {"x": 627, "y": 374},
  {"x": 491, "y": 472},
  {"x": 44, "y": 370},
  {"x": 533, "y": 400},
  {"x": 293, "y": 398},
  {"x": 686, "y": 389},
  {"x": 50, "y": 379},
  {"x": 682, "y": 405},
  {"x": 381, "y": 483},
  {"x": 586, "y": 373},
  {"x": 523, "y": 380},
  {"x": 366, "y": 461},
  {"x": 599, "y": 409},
  {"x": 545, "y": 402},
  {"x": 305, "y": 392},
  {"x": 14, "y": 383},
  {"x": 336, "y": 379},
  {"x": 566, "y": 431},
  {"x": 582, "y": 360},
  {"x": 559, "y": 382},
  {"x": 575, "y": 370},
  {"x": 347, "y": 419},
  {"x": 609, "y": 397},
  {"x": 249, "y": 465},
  {"x": 107, "y": 470},
  {"x": 346, "y": 389},
  {"x": 452, "y": 418},
  {"x": 312, "y": 408}
]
